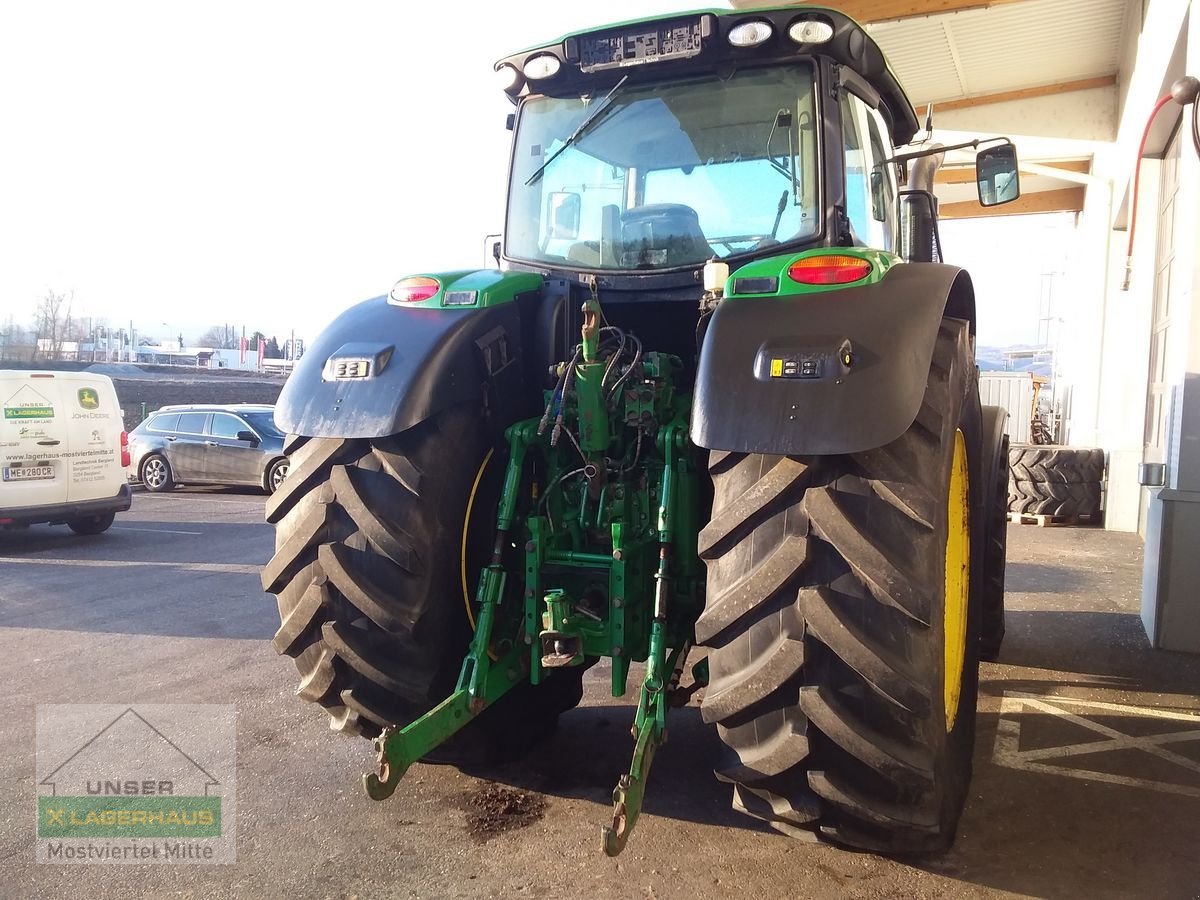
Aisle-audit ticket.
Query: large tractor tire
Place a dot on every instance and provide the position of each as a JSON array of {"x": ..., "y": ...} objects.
[
  {"x": 1055, "y": 481},
  {"x": 1052, "y": 498},
  {"x": 842, "y": 617},
  {"x": 377, "y": 548},
  {"x": 995, "y": 552},
  {"x": 1053, "y": 464}
]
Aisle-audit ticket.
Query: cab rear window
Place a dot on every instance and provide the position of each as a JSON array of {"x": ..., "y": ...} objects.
[{"x": 165, "y": 422}]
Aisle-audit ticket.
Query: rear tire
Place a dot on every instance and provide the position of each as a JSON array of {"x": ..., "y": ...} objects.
[
  {"x": 92, "y": 524},
  {"x": 156, "y": 474},
  {"x": 366, "y": 573},
  {"x": 832, "y": 672}
]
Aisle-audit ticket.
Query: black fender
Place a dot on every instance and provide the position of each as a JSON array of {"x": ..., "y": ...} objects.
[
  {"x": 840, "y": 371},
  {"x": 417, "y": 362}
]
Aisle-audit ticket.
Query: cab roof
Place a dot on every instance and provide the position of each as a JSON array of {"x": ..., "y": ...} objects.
[{"x": 849, "y": 45}]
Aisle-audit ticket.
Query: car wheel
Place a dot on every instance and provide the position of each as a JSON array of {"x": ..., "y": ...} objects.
[
  {"x": 275, "y": 474},
  {"x": 156, "y": 474}
]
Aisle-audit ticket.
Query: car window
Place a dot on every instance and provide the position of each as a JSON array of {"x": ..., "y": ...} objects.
[
  {"x": 224, "y": 425},
  {"x": 192, "y": 422},
  {"x": 164, "y": 422},
  {"x": 264, "y": 424}
]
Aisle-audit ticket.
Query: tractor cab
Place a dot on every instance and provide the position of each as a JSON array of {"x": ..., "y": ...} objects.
[{"x": 650, "y": 148}]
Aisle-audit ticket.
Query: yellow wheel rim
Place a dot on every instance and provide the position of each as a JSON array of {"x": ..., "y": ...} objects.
[
  {"x": 466, "y": 591},
  {"x": 958, "y": 581}
]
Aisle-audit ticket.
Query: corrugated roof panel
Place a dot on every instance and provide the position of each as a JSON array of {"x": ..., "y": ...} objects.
[
  {"x": 1003, "y": 48},
  {"x": 922, "y": 59}
]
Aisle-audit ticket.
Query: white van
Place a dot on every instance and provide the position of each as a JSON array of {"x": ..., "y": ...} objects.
[{"x": 63, "y": 451}]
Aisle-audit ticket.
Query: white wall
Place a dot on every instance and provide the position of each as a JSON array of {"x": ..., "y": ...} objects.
[{"x": 1107, "y": 357}]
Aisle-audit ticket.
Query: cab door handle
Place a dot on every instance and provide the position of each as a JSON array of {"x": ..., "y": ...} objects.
[{"x": 211, "y": 444}]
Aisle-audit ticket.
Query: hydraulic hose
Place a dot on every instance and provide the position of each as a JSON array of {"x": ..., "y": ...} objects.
[{"x": 1183, "y": 92}]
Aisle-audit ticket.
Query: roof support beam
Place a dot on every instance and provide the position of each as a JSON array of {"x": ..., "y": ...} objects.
[
  {"x": 1044, "y": 90},
  {"x": 966, "y": 174},
  {"x": 1064, "y": 200}
]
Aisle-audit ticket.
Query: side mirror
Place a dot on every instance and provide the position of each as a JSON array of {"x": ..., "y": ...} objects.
[
  {"x": 996, "y": 175},
  {"x": 562, "y": 215},
  {"x": 248, "y": 436}
]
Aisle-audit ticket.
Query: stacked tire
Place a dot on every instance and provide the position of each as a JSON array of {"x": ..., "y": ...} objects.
[{"x": 1052, "y": 480}]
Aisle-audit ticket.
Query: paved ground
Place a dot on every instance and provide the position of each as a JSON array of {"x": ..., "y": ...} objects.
[{"x": 1070, "y": 798}]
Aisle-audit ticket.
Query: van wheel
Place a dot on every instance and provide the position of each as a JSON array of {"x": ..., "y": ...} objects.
[
  {"x": 92, "y": 524},
  {"x": 156, "y": 474}
]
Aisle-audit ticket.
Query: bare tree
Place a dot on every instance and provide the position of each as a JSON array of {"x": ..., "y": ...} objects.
[
  {"x": 220, "y": 337},
  {"x": 52, "y": 322},
  {"x": 14, "y": 339}
]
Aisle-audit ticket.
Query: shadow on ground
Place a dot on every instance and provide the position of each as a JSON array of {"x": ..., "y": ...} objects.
[{"x": 592, "y": 748}]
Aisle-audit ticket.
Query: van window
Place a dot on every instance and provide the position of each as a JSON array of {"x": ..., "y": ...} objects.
[
  {"x": 192, "y": 422},
  {"x": 226, "y": 426},
  {"x": 165, "y": 422}
]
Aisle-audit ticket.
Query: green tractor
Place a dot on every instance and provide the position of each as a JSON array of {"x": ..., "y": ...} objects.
[{"x": 719, "y": 393}]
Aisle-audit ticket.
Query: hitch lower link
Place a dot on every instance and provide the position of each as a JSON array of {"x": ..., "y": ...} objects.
[{"x": 484, "y": 678}]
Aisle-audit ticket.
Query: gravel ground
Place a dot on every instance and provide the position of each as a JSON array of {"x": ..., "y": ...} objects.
[{"x": 166, "y": 608}]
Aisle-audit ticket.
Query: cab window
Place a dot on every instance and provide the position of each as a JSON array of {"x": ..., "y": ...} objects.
[
  {"x": 224, "y": 425},
  {"x": 870, "y": 178}
]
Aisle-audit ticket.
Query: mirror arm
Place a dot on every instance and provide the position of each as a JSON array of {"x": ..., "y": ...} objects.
[{"x": 930, "y": 151}]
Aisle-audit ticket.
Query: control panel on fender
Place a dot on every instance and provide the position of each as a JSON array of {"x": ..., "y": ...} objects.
[{"x": 776, "y": 359}]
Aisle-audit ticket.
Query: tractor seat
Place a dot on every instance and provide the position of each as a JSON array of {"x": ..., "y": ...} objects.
[{"x": 662, "y": 234}]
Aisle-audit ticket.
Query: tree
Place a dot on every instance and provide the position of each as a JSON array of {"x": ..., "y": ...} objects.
[
  {"x": 52, "y": 322},
  {"x": 220, "y": 337},
  {"x": 14, "y": 339},
  {"x": 273, "y": 349}
]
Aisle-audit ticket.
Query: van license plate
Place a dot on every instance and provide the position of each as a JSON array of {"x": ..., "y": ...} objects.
[{"x": 28, "y": 473}]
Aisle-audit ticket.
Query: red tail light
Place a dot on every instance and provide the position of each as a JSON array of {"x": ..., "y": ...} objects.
[
  {"x": 829, "y": 269},
  {"x": 414, "y": 289},
  {"x": 125, "y": 460}
]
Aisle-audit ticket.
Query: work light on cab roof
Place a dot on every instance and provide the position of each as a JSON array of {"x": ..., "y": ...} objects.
[{"x": 750, "y": 34}]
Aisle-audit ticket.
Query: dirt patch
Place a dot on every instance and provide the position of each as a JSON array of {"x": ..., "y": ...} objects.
[{"x": 492, "y": 809}]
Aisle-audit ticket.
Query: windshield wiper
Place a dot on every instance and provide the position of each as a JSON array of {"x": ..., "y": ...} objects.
[{"x": 587, "y": 123}]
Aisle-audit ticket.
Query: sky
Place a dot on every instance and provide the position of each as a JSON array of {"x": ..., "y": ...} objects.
[
  {"x": 268, "y": 164},
  {"x": 262, "y": 164},
  {"x": 1017, "y": 267}
]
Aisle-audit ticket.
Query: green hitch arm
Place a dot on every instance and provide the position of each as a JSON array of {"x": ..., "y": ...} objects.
[
  {"x": 650, "y": 723},
  {"x": 398, "y": 749},
  {"x": 651, "y": 733},
  {"x": 480, "y": 682}
]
